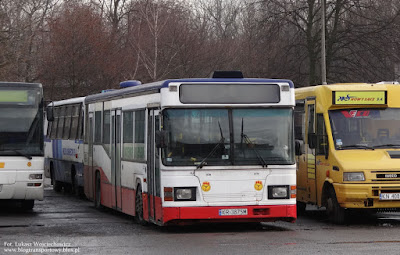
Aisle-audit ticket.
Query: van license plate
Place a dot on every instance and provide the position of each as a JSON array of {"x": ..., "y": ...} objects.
[
  {"x": 227, "y": 212},
  {"x": 389, "y": 196}
]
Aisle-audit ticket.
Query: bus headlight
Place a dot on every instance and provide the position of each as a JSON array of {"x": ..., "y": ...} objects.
[
  {"x": 278, "y": 192},
  {"x": 353, "y": 176},
  {"x": 185, "y": 194}
]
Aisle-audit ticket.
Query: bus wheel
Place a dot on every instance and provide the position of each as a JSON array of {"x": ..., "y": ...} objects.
[
  {"x": 336, "y": 214},
  {"x": 28, "y": 204},
  {"x": 139, "y": 207},
  {"x": 56, "y": 184},
  {"x": 97, "y": 197}
]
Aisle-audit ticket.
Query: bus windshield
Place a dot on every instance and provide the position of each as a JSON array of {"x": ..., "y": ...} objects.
[
  {"x": 228, "y": 136},
  {"x": 365, "y": 128},
  {"x": 21, "y": 115}
]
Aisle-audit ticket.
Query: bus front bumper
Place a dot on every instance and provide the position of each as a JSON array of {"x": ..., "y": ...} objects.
[
  {"x": 17, "y": 185},
  {"x": 366, "y": 195},
  {"x": 189, "y": 215}
]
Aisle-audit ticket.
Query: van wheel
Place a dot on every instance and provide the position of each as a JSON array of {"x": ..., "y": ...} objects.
[
  {"x": 97, "y": 197},
  {"x": 301, "y": 208},
  {"x": 139, "y": 207},
  {"x": 336, "y": 214}
]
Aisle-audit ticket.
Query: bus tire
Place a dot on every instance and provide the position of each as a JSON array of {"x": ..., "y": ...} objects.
[
  {"x": 57, "y": 186},
  {"x": 97, "y": 196},
  {"x": 75, "y": 189},
  {"x": 28, "y": 204},
  {"x": 139, "y": 207},
  {"x": 336, "y": 214}
]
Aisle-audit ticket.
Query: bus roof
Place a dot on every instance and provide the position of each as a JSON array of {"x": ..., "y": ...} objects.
[
  {"x": 75, "y": 100},
  {"x": 156, "y": 86}
]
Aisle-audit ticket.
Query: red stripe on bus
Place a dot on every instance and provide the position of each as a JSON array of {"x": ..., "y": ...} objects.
[
  {"x": 210, "y": 214},
  {"x": 128, "y": 201}
]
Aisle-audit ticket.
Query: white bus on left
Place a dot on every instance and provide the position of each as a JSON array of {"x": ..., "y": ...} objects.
[{"x": 21, "y": 142}]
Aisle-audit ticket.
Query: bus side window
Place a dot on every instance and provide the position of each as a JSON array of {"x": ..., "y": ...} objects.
[
  {"x": 67, "y": 122},
  {"x": 74, "y": 122},
  {"x": 54, "y": 126},
  {"x": 97, "y": 127},
  {"x": 60, "y": 126},
  {"x": 138, "y": 144}
]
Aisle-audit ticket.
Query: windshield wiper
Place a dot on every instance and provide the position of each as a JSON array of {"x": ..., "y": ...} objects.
[
  {"x": 357, "y": 146},
  {"x": 19, "y": 153},
  {"x": 221, "y": 142},
  {"x": 249, "y": 142},
  {"x": 387, "y": 145}
]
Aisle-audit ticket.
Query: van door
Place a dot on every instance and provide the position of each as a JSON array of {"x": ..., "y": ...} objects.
[{"x": 310, "y": 150}]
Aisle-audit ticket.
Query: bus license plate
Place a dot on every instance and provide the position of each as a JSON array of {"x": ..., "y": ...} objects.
[
  {"x": 227, "y": 212},
  {"x": 389, "y": 196}
]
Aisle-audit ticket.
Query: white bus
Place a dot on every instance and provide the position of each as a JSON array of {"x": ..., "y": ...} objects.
[
  {"x": 63, "y": 152},
  {"x": 192, "y": 150},
  {"x": 21, "y": 142}
]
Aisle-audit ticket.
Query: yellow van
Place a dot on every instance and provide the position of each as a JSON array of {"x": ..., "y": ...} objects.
[{"x": 348, "y": 147}]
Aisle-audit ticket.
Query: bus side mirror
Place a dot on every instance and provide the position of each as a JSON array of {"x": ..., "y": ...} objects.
[
  {"x": 312, "y": 140},
  {"x": 161, "y": 138},
  {"x": 49, "y": 113}
]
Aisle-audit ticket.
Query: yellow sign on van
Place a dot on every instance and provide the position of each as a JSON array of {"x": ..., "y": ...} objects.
[{"x": 359, "y": 97}]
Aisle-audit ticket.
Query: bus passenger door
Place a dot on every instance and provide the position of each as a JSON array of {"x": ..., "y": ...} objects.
[
  {"x": 310, "y": 151},
  {"x": 116, "y": 159},
  {"x": 153, "y": 167},
  {"x": 88, "y": 176}
]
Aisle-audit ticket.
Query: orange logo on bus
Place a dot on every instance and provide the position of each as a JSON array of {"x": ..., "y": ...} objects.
[
  {"x": 206, "y": 186},
  {"x": 258, "y": 185}
]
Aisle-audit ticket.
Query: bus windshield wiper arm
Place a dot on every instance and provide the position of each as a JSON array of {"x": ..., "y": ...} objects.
[
  {"x": 386, "y": 145},
  {"x": 244, "y": 137},
  {"x": 203, "y": 162},
  {"x": 249, "y": 142},
  {"x": 221, "y": 142},
  {"x": 357, "y": 146}
]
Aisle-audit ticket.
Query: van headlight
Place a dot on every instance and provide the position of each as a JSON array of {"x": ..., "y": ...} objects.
[
  {"x": 278, "y": 192},
  {"x": 353, "y": 177},
  {"x": 185, "y": 194}
]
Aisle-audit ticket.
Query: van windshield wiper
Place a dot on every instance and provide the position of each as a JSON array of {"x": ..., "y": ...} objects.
[
  {"x": 357, "y": 146},
  {"x": 249, "y": 142},
  {"x": 387, "y": 145},
  {"x": 220, "y": 142}
]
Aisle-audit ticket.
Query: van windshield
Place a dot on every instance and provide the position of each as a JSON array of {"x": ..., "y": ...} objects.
[{"x": 365, "y": 128}]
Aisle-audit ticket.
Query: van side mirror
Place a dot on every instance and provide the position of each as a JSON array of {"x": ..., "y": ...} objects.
[
  {"x": 49, "y": 113},
  {"x": 161, "y": 138},
  {"x": 312, "y": 140},
  {"x": 297, "y": 147}
]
